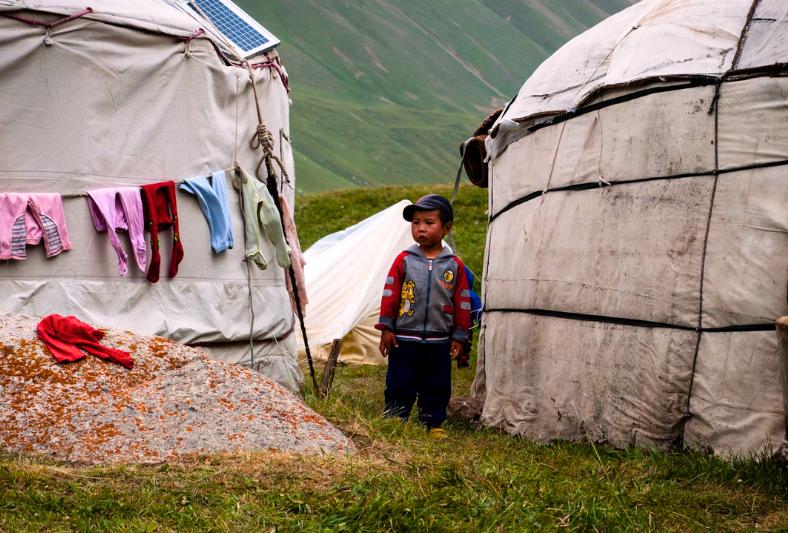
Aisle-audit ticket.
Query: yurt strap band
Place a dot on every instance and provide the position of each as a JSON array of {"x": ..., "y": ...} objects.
[
  {"x": 597, "y": 184},
  {"x": 631, "y": 321},
  {"x": 49, "y": 25}
]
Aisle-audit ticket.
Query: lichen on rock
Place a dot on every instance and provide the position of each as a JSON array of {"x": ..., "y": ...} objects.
[{"x": 175, "y": 401}]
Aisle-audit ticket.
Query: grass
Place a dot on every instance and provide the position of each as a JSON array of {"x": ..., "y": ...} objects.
[
  {"x": 400, "y": 479},
  {"x": 477, "y": 479}
]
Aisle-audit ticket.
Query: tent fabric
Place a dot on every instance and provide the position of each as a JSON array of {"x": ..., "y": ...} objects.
[
  {"x": 581, "y": 252},
  {"x": 587, "y": 148},
  {"x": 636, "y": 249},
  {"x": 746, "y": 274},
  {"x": 151, "y": 15},
  {"x": 556, "y": 378},
  {"x": 345, "y": 273},
  {"x": 359, "y": 345},
  {"x": 97, "y": 102},
  {"x": 752, "y": 120},
  {"x": 767, "y": 42},
  {"x": 737, "y": 397},
  {"x": 651, "y": 40}
]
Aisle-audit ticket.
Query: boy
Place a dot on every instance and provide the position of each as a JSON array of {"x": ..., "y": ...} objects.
[{"x": 424, "y": 316}]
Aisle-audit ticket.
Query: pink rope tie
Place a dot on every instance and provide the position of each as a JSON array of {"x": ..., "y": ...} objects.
[
  {"x": 272, "y": 65},
  {"x": 194, "y": 35},
  {"x": 50, "y": 25}
]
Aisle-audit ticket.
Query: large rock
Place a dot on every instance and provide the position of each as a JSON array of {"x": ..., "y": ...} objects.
[{"x": 175, "y": 401}]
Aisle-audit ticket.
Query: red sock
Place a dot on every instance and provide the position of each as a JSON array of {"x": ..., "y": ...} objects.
[
  {"x": 161, "y": 210},
  {"x": 177, "y": 246}
]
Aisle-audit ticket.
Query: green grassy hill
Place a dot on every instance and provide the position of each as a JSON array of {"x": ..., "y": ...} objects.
[{"x": 384, "y": 91}]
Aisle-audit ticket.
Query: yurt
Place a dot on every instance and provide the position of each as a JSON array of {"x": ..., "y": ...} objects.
[
  {"x": 128, "y": 93},
  {"x": 637, "y": 254}
]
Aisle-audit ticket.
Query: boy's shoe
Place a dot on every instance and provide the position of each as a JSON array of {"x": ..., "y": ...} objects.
[{"x": 438, "y": 433}]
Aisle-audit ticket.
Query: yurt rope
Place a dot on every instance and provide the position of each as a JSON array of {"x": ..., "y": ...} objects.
[
  {"x": 84, "y": 194},
  {"x": 49, "y": 25},
  {"x": 455, "y": 191},
  {"x": 458, "y": 174},
  {"x": 743, "y": 36},
  {"x": 236, "y": 186},
  {"x": 716, "y": 111},
  {"x": 552, "y": 166},
  {"x": 265, "y": 142},
  {"x": 272, "y": 65},
  {"x": 716, "y": 174}
]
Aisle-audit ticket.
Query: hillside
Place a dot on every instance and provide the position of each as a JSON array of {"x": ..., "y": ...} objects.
[{"x": 384, "y": 91}]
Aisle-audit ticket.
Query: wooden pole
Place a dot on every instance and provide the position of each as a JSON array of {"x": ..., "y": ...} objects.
[
  {"x": 327, "y": 380},
  {"x": 782, "y": 336}
]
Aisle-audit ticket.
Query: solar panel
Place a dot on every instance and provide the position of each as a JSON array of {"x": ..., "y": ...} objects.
[{"x": 245, "y": 33}]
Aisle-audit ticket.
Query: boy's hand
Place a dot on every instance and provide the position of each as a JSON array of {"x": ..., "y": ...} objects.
[
  {"x": 387, "y": 341},
  {"x": 456, "y": 349}
]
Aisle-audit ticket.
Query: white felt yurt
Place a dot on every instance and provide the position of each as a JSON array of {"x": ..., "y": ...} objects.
[
  {"x": 345, "y": 273},
  {"x": 129, "y": 92},
  {"x": 637, "y": 254}
]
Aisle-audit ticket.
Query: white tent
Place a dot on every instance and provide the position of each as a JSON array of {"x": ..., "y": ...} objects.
[
  {"x": 125, "y": 93},
  {"x": 636, "y": 254},
  {"x": 345, "y": 273}
]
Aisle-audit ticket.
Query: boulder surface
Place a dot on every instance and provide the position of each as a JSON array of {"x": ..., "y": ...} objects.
[{"x": 175, "y": 401}]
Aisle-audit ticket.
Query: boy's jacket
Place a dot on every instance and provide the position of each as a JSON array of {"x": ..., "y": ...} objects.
[{"x": 426, "y": 300}]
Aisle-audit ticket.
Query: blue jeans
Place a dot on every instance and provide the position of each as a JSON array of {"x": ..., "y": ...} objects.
[{"x": 419, "y": 371}]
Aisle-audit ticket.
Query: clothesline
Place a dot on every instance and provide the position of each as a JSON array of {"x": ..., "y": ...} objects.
[
  {"x": 37, "y": 217},
  {"x": 84, "y": 194}
]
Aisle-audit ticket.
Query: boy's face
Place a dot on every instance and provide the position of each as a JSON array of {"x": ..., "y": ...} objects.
[{"x": 427, "y": 229}]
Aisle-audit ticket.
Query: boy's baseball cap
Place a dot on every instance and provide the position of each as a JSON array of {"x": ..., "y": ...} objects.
[{"x": 428, "y": 203}]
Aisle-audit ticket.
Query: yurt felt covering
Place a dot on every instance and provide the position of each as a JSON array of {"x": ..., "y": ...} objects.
[
  {"x": 127, "y": 94},
  {"x": 638, "y": 237}
]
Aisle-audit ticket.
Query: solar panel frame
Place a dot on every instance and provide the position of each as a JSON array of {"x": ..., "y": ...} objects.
[{"x": 247, "y": 36}]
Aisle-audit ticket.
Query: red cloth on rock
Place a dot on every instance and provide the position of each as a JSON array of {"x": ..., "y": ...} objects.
[{"x": 66, "y": 337}]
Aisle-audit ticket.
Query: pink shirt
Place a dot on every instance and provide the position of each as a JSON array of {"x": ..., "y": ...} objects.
[
  {"x": 27, "y": 219},
  {"x": 120, "y": 208}
]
